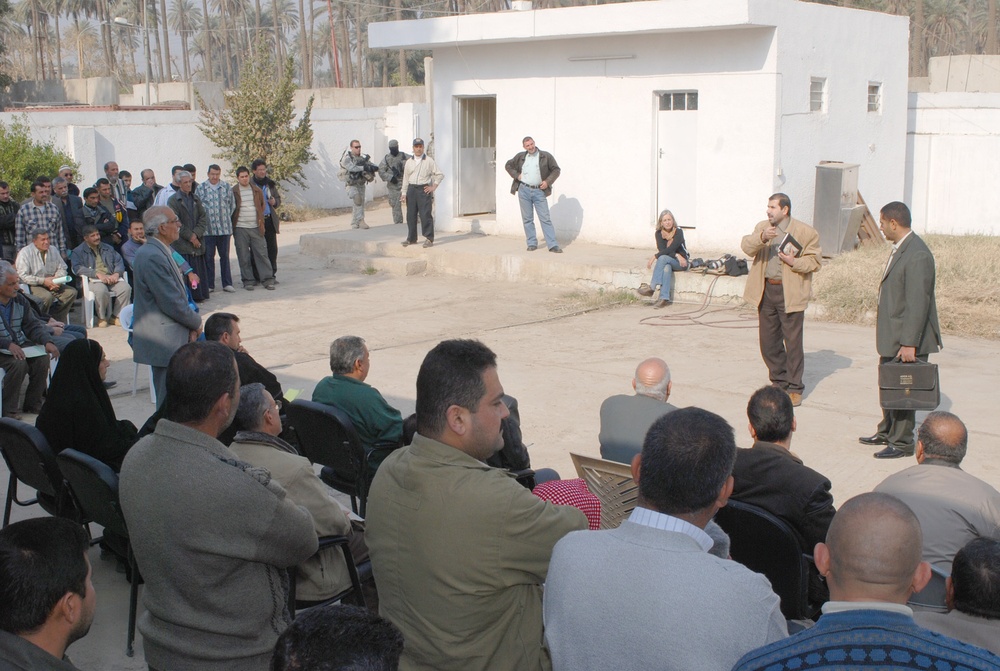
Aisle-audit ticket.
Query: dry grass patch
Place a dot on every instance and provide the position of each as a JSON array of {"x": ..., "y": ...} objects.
[
  {"x": 967, "y": 285},
  {"x": 295, "y": 212}
]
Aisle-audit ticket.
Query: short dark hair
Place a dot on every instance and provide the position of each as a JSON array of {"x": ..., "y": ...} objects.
[
  {"x": 176, "y": 169},
  {"x": 250, "y": 414},
  {"x": 451, "y": 374},
  {"x": 338, "y": 638},
  {"x": 219, "y": 324},
  {"x": 257, "y": 162},
  {"x": 43, "y": 179},
  {"x": 124, "y": 173},
  {"x": 36, "y": 184},
  {"x": 770, "y": 414},
  {"x": 4, "y": 185},
  {"x": 190, "y": 167},
  {"x": 102, "y": 180},
  {"x": 897, "y": 211},
  {"x": 197, "y": 375},
  {"x": 89, "y": 190},
  {"x": 242, "y": 169},
  {"x": 87, "y": 230},
  {"x": 938, "y": 441},
  {"x": 975, "y": 577},
  {"x": 41, "y": 559},
  {"x": 686, "y": 458},
  {"x": 214, "y": 166},
  {"x": 783, "y": 201}
]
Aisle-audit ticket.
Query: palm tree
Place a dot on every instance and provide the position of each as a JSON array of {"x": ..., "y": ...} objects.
[
  {"x": 184, "y": 17},
  {"x": 206, "y": 40},
  {"x": 83, "y": 36},
  {"x": 164, "y": 22}
]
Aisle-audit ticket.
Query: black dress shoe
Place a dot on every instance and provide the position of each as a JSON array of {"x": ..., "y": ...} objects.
[
  {"x": 892, "y": 453},
  {"x": 873, "y": 440}
]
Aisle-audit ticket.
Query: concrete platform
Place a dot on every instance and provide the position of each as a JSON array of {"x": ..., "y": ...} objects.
[{"x": 489, "y": 258}]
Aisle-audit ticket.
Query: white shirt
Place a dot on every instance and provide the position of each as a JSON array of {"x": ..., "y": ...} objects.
[
  {"x": 656, "y": 520},
  {"x": 531, "y": 174}
]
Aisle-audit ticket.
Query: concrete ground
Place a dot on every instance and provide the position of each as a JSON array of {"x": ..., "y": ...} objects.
[{"x": 559, "y": 359}]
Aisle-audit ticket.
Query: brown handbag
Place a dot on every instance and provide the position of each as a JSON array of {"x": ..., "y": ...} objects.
[{"x": 908, "y": 386}]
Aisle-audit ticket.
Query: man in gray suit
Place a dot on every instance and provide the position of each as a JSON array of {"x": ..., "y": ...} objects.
[
  {"x": 907, "y": 324},
  {"x": 648, "y": 594},
  {"x": 625, "y": 419},
  {"x": 163, "y": 320}
]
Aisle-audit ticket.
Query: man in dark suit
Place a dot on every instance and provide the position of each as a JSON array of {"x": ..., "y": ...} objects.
[
  {"x": 71, "y": 209},
  {"x": 907, "y": 324},
  {"x": 163, "y": 320},
  {"x": 770, "y": 476}
]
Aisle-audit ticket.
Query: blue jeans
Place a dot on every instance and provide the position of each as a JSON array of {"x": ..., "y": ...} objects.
[
  {"x": 663, "y": 273},
  {"x": 212, "y": 243},
  {"x": 535, "y": 199}
]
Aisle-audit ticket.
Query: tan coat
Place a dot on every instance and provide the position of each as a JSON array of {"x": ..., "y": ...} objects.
[
  {"x": 324, "y": 574},
  {"x": 796, "y": 280},
  {"x": 460, "y": 551}
]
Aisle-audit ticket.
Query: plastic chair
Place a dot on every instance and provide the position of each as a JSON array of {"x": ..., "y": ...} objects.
[
  {"x": 612, "y": 484},
  {"x": 125, "y": 320},
  {"x": 354, "y": 592},
  {"x": 932, "y": 597},
  {"x": 95, "y": 489},
  {"x": 327, "y": 437},
  {"x": 766, "y": 544},
  {"x": 31, "y": 461},
  {"x": 88, "y": 302}
]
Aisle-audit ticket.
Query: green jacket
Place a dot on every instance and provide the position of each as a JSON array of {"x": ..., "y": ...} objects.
[
  {"x": 378, "y": 424},
  {"x": 460, "y": 551}
]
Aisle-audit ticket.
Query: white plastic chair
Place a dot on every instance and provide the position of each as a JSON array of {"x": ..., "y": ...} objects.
[
  {"x": 125, "y": 319},
  {"x": 88, "y": 302}
]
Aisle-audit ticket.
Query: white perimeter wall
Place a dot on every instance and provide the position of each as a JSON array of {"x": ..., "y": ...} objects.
[
  {"x": 953, "y": 152},
  {"x": 160, "y": 139},
  {"x": 850, "y": 48},
  {"x": 598, "y": 118}
]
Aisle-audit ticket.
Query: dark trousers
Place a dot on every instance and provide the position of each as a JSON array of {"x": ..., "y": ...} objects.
[
  {"x": 780, "y": 335},
  {"x": 37, "y": 370},
  {"x": 418, "y": 202},
  {"x": 220, "y": 243},
  {"x": 897, "y": 425},
  {"x": 197, "y": 263},
  {"x": 271, "y": 240}
]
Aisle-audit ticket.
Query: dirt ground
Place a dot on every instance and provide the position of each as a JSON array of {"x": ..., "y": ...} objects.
[{"x": 559, "y": 362}]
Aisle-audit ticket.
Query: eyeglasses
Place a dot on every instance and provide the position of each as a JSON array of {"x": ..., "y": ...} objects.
[{"x": 173, "y": 221}]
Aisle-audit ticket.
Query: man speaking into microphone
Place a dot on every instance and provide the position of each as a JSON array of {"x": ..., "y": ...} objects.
[{"x": 785, "y": 255}]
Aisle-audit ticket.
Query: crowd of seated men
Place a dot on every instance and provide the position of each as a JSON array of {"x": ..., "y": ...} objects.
[{"x": 473, "y": 570}]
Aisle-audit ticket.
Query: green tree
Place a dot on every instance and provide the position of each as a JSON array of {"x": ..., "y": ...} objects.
[
  {"x": 258, "y": 120},
  {"x": 22, "y": 158}
]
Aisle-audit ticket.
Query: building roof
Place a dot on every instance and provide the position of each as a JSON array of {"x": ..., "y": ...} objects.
[{"x": 657, "y": 16}]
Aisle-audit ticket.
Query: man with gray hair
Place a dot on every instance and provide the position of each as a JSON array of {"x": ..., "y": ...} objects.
[
  {"x": 44, "y": 272},
  {"x": 626, "y": 419},
  {"x": 871, "y": 561},
  {"x": 953, "y": 506},
  {"x": 163, "y": 320},
  {"x": 19, "y": 330},
  {"x": 379, "y": 425},
  {"x": 323, "y": 575}
]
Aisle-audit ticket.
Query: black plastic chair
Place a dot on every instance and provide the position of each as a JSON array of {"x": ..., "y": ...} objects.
[
  {"x": 31, "y": 461},
  {"x": 931, "y": 598},
  {"x": 766, "y": 544},
  {"x": 95, "y": 488},
  {"x": 353, "y": 593},
  {"x": 327, "y": 437}
]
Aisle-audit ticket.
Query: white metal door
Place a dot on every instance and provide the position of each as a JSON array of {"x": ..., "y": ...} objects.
[
  {"x": 477, "y": 155},
  {"x": 677, "y": 145}
]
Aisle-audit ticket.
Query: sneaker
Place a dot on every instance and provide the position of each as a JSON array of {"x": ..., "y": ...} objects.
[
  {"x": 645, "y": 290},
  {"x": 555, "y": 250},
  {"x": 248, "y": 287},
  {"x": 428, "y": 243},
  {"x": 229, "y": 289},
  {"x": 407, "y": 243},
  {"x": 532, "y": 248},
  {"x": 269, "y": 286}
]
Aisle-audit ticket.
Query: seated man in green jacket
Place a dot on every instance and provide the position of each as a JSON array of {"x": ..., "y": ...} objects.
[{"x": 379, "y": 425}]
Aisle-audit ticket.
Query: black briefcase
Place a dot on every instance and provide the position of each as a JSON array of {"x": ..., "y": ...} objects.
[{"x": 908, "y": 386}]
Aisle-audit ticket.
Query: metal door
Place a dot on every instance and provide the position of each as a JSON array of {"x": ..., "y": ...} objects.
[
  {"x": 477, "y": 155},
  {"x": 676, "y": 147}
]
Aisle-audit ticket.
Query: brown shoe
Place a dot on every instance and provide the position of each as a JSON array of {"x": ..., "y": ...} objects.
[
  {"x": 796, "y": 398},
  {"x": 101, "y": 324},
  {"x": 662, "y": 303},
  {"x": 645, "y": 290}
]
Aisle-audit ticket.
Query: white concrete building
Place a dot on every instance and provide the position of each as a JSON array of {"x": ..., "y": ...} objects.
[{"x": 705, "y": 108}]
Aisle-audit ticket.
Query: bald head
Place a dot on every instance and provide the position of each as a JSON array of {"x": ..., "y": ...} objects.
[
  {"x": 872, "y": 551},
  {"x": 652, "y": 378},
  {"x": 942, "y": 436}
]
